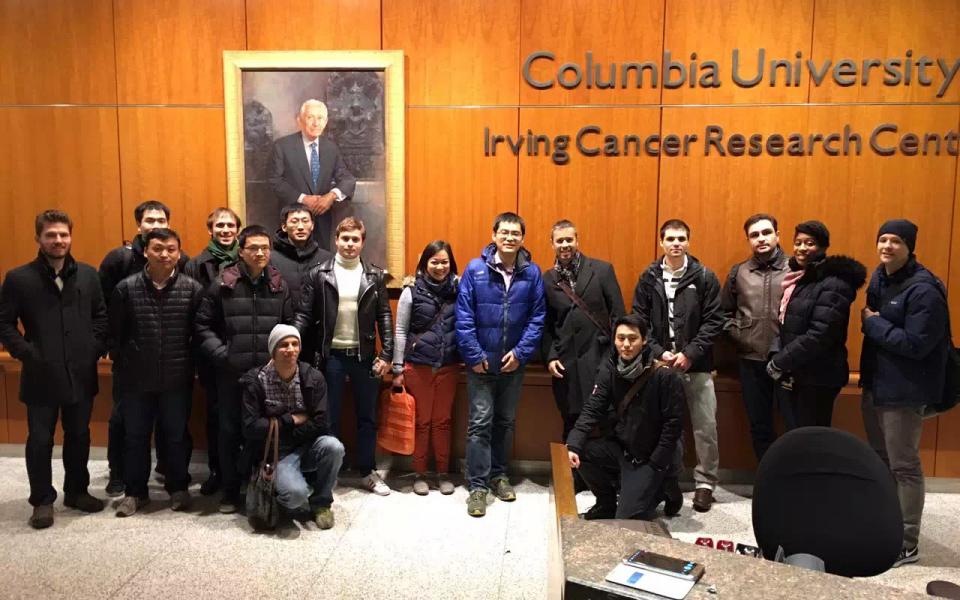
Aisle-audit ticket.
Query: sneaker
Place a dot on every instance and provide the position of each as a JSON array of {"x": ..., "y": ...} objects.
[
  {"x": 477, "y": 503},
  {"x": 503, "y": 490},
  {"x": 600, "y": 511},
  {"x": 907, "y": 556},
  {"x": 84, "y": 502},
  {"x": 114, "y": 487},
  {"x": 212, "y": 485},
  {"x": 672, "y": 498},
  {"x": 129, "y": 505},
  {"x": 180, "y": 501},
  {"x": 323, "y": 517},
  {"x": 420, "y": 486},
  {"x": 444, "y": 484},
  {"x": 42, "y": 516},
  {"x": 375, "y": 484}
]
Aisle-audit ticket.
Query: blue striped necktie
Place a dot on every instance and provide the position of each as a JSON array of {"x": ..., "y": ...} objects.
[{"x": 314, "y": 164}]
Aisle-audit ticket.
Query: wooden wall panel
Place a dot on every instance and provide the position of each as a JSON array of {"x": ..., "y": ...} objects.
[
  {"x": 57, "y": 52},
  {"x": 859, "y": 30},
  {"x": 59, "y": 158},
  {"x": 459, "y": 52},
  {"x": 851, "y": 195},
  {"x": 177, "y": 156},
  {"x": 714, "y": 28},
  {"x": 948, "y": 442},
  {"x": 616, "y": 31},
  {"x": 313, "y": 25},
  {"x": 612, "y": 200},
  {"x": 453, "y": 190},
  {"x": 171, "y": 52}
]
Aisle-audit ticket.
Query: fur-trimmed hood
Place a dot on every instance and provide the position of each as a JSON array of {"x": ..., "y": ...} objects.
[{"x": 848, "y": 269}]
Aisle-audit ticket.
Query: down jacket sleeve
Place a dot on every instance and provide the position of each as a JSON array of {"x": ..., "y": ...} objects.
[
  {"x": 533, "y": 329},
  {"x": 923, "y": 327},
  {"x": 467, "y": 340}
]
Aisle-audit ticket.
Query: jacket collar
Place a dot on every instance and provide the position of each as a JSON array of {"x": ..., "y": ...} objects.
[
  {"x": 234, "y": 273},
  {"x": 283, "y": 245},
  {"x": 69, "y": 266},
  {"x": 776, "y": 262},
  {"x": 489, "y": 255}
]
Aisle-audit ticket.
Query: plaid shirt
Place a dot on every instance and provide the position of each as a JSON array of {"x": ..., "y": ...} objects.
[{"x": 282, "y": 397}]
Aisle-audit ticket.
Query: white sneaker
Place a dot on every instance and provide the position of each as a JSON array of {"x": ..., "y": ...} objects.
[{"x": 375, "y": 484}]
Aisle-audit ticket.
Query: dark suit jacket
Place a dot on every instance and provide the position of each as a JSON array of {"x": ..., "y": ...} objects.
[
  {"x": 571, "y": 337},
  {"x": 290, "y": 176}
]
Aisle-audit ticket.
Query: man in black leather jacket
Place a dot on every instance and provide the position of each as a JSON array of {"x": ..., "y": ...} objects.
[{"x": 343, "y": 307}]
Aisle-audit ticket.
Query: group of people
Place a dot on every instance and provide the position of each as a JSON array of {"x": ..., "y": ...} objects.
[{"x": 274, "y": 325}]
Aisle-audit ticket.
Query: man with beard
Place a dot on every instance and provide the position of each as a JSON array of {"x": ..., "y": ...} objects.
[
  {"x": 295, "y": 251},
  {"x": 221, "y": 252},
  {"x": 751, "y": 297},
  {"x": 117, "y": 265},
  {"x": 583, "y": 299},
  {"x": 60, "y": 305}
]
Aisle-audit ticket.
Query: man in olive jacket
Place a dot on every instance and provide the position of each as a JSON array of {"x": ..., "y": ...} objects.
[{"x": 60, "y": 305}]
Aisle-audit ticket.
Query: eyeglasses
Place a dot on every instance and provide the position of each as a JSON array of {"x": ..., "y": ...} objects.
[
  {"x": 503, "y": 233},
  {"x": 257, "y": 249}
]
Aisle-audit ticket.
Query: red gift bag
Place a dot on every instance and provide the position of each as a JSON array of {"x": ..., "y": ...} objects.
[{"x": 398, "y": 413}]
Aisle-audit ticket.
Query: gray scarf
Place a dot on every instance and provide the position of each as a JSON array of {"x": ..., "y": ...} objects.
[{"x": 631, "y": 370}]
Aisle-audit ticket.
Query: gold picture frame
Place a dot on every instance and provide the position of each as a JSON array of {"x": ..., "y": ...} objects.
[{"x": 292, "y": 69}]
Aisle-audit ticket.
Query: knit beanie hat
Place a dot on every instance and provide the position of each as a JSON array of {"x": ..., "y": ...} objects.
[
  {"x": 903, "y": 229},
  {"x": 817, "y": 231},
  {"x": 277, "y": 335}
]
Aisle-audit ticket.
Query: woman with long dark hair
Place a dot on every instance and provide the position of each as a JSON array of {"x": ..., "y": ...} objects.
[
  {"x": 426, "y": 359},
  {"x": 811, "y": 360}
]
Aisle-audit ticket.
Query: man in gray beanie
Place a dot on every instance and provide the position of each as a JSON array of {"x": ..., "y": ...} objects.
[
  {"x": 902, "y": 367},
  {"x": 295, "y": 394}
]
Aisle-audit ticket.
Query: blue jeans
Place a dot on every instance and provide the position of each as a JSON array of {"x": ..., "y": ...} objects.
[
  {"x": 170, "y": 412},
  {"x": 493, "y": 412},
  {"x": 321, "y": 459},
  {"x": 365, "y": 390}
]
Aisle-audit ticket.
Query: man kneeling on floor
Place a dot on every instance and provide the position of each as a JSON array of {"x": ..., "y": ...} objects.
[
  {"x": 647, "y": 400},
  {"x": 296, "y": 394}
]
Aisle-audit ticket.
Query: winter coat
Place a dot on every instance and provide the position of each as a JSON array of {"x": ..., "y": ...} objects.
[
  {"x": 813, "y": 337},
  {"x": 697, "y": 315},
  {"x": 256, "y": 422},
  {"x": 65, "y": 332},
  {"x": 294, "y": 263},
  {"x": 905, "y": 347},
  {"x": 204, "y": 268},
  {"x": 151, "y": 332},
  {"x": 436, "y": 346},
  {"x": 492, "y": 320},
  {"x": 316, "y": 316},
  {"x": 751, "y": 301},
  {"x": 650, "y": 426},
  {"x": 570, "y": 336},
  {"x": 237, "y": 315}
]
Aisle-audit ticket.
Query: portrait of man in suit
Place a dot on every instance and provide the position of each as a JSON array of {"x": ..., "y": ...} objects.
[
  {"x": 307, "y": 168},
  {"x": 305, "y": 127}
]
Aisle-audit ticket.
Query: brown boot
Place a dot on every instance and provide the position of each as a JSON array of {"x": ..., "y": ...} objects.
[
  {"x": 42, "y": 516},
  {"x": 702, "y": 499}
]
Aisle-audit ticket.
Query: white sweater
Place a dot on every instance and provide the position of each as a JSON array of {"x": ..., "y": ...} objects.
[{"x": 348, "y": 273}]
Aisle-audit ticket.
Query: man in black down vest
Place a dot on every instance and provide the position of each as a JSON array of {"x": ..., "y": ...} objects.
[
  {"x": 151, "y": 331},
  {"x": 59, "y": 303}
]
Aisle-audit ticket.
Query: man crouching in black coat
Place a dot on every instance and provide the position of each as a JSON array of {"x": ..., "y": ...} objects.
[{"x": 645, "y": 401}]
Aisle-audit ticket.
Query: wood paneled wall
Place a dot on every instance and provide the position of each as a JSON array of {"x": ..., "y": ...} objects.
[{"x": 109, "y": 102}]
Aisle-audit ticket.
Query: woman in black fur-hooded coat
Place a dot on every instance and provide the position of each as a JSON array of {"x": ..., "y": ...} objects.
[{"x": 810, "y": 357}]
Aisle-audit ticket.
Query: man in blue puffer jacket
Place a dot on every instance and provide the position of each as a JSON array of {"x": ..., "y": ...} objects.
[
  {"x": 500, "y": 313},
  {"x": 902, "y": 367}
]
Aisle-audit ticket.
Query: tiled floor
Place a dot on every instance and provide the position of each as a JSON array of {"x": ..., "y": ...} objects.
[{"x": 401, "y": 546}]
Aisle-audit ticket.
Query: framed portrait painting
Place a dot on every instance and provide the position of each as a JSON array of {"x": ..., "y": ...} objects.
[{"x": 324, "y": 130}]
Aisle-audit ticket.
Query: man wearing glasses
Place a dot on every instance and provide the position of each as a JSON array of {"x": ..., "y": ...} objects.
[{"x": 500, "y": 314}]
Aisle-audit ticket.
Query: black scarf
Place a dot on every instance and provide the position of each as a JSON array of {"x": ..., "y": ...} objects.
[
  {"x": 445, "y": 291},
  {"x": 569, "y": 272}
]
